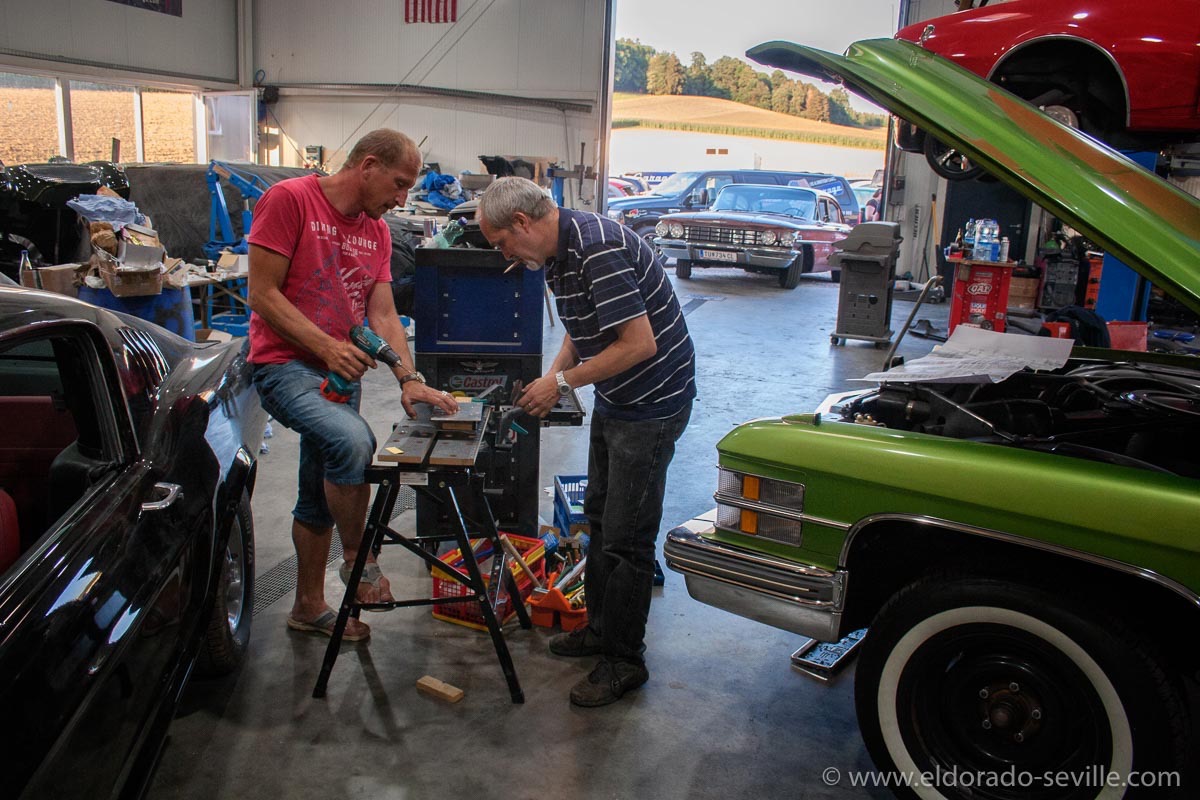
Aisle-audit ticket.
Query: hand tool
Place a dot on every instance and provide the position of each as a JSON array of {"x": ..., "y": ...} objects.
[
  {"x": 516, "y": 556},
  {"x": 336, "y": 388}
]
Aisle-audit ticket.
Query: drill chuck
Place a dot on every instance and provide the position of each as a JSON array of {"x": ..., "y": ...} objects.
[{"x": 370, "y": 343}]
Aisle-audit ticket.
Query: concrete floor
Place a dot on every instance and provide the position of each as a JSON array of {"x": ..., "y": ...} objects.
[{"x": 723, "y": 715}]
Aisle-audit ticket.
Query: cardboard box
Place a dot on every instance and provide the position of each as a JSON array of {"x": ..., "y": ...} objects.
[
  {"x": 61, "y": 278},
  {"x": 234, "y": 262},
  {"x": 1023, "y": 292},
  {"x": 132, "y": 282}
]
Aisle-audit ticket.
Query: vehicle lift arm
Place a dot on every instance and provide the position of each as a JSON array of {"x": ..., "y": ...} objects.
[{"x": 251, "y": 188}]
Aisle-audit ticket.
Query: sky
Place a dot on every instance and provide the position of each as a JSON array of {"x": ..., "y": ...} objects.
[{"x": 730, "y": 27}]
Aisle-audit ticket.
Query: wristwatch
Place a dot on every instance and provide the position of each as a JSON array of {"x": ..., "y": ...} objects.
[
  {"x": 412, "y": 376},
  {"x": 564, "y": 388}
]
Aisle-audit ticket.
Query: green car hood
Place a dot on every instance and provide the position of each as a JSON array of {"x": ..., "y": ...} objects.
[{"x": 1127, "y": 211}]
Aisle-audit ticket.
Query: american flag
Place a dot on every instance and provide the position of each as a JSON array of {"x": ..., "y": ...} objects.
[{"x": 430, "y": 10}]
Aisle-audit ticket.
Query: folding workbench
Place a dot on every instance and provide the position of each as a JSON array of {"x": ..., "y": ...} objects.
[{"x": 440, "y": 467}]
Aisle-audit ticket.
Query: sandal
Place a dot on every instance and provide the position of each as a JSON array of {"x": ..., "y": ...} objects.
[
  {"x": 371, "y": 576},
  {"x": 324, "y": 625}
]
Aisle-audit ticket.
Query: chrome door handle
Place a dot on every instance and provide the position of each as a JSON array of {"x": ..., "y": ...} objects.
[{"x": 172, "y": 493}]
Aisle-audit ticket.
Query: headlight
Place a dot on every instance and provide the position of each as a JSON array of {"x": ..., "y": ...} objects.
[
  {"x": 662, "y": 228},
  {"x": 677, "y": 230},
  {"x": 614, "y": 214},
  {"x": 787, "y": 239},
  {"x": 762, "y": 507},
  {"x": 767, "y": 237}
]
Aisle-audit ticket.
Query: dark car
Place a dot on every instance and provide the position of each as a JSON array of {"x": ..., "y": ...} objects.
[
  {"x": 34, "y": 214},
  {"x": 1024, "y": 554},
  {"x": 778, "y": 230},
  {"x": 126, "y": 542},
  {"x": 687, "y": 191}
]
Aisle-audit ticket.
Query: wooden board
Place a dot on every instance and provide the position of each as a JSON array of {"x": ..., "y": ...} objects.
[
  {"x": 467, "y": 419},
  {"x": 414, "y": 441},
  {"x": 409, "y": 443}
]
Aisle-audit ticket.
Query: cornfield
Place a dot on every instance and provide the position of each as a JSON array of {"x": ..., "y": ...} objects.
[{"x": 28, "y": 132}]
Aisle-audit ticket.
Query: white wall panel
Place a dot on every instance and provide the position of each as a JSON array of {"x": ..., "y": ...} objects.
[
  {"x": 536, "y": 49},
  {"x": 200, "y": 46},
  {"x": 458, "y": 131}
]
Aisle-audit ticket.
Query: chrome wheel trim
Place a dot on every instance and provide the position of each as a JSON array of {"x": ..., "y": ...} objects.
[{"x": 234, "y": 578}]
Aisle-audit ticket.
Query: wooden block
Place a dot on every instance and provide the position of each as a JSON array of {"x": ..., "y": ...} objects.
[
  {"x": 439, "y": 689},
  {"x": 467, "y": 418}
]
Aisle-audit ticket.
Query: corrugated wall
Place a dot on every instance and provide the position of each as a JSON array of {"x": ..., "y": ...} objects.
[
  {"x": 198, "y": 47},
  {"x": 546, "y": 50}
]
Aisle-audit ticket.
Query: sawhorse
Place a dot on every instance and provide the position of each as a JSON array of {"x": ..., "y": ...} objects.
[{"x": 443, "y": 470}]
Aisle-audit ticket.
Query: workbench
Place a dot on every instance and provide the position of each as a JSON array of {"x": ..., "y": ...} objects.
[
  {"x": 228, "y": 285},
  {"x": 439, "y": 466}
]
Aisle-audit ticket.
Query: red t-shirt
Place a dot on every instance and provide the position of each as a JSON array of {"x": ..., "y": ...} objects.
[{"x": 335, "y": 263}]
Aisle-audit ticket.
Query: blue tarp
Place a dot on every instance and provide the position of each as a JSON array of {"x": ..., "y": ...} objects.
[{"x": 444, "y": 190}]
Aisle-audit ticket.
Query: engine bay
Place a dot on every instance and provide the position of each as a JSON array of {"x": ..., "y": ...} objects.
[{"x": 1135, "y": 415}]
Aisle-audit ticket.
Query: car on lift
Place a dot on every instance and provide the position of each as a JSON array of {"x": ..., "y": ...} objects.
[
  {"x": 785, "y": 231},
  {"x": 1126, "y": 73},
  {"x": 126, "y": 538},
  {"x": 1024, "y": 555}
]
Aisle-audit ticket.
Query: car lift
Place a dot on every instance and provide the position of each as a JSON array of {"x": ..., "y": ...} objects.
[{"x": 252, "y": 189}]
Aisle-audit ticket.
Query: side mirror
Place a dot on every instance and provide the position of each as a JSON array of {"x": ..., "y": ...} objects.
[{"x": 698, "y": 197}]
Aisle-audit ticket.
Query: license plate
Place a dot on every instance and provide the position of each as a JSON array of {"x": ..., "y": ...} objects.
[{"x": 719, "y": 255}]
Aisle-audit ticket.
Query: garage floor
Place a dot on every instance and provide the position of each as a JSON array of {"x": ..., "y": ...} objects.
[{"x": 723, "y": 715}]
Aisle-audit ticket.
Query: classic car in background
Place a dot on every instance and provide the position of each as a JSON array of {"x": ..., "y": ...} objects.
[
  {"x": 34, "y": 214},
  {"x": 1024, "y": 555},
  {"x": 782, "y": 230},
  {"x": 126, "y": 540},
  {"x": 1126, "y": 73}
]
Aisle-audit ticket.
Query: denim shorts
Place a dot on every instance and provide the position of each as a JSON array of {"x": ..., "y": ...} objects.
[{"x": 336, "y": 444}]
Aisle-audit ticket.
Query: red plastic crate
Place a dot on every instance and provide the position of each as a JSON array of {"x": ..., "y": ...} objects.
[
  {"x": 980, "y": 295},
  {"x": 468, "y": 614}
]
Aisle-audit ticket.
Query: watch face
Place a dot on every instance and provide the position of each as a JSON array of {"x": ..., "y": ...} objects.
[{"x": 564, "y": 389}]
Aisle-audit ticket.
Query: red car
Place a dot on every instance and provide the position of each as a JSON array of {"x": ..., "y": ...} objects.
[{"x": 1126, "y": 73}]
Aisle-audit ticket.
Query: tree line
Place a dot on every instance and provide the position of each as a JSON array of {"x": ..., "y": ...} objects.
[{"x": 641, "y": 69}]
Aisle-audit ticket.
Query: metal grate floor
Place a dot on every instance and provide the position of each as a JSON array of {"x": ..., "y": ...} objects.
[{"x": 280, "y": 580}]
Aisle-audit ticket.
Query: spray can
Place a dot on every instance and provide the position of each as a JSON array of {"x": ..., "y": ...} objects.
[{"x": 1003, "y": 250}]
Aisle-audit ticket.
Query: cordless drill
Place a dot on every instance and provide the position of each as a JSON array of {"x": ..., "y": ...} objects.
[{"x": 335, "y": 387}]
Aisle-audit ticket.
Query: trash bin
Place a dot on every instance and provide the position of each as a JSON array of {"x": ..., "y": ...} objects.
[{"x": 867, "y": 259}]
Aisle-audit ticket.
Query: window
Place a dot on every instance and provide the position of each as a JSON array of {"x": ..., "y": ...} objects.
[
  {"x": 100, "y": 113},
  {"x": 28, "y": 126},
  {"x": 168, "y": 126},
  {"x": 54, "y": 445}
]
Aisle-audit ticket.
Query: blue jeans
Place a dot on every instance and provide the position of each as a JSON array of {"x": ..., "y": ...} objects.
[
  {"x": 627, "y": 475},
  {"x": 336, "y": 444}
]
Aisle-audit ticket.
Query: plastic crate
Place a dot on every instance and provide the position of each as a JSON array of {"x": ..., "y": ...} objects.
[
  {"x": 468, "y": 613},
  {"x": 568, "y": 502}
]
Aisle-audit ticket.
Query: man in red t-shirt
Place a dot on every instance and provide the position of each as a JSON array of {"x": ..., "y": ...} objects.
[{"x": 319, "y": 264}]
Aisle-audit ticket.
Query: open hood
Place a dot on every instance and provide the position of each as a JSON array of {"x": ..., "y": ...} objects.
[{"x": 1129, "y": 212}]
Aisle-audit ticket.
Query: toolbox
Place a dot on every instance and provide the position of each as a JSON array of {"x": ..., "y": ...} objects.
[
  {"x": 980, "y": 295},
  {"x": 468, "y": 614}
]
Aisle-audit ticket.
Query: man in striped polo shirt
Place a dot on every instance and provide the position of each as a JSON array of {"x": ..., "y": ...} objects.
[{"x": 625, "y": 335}]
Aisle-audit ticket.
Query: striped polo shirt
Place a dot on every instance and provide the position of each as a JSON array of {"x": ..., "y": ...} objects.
[{"x": 604, "y": 275}]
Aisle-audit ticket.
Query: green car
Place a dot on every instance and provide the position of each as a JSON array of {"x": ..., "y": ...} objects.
[{"x": 1025, "y": 555}]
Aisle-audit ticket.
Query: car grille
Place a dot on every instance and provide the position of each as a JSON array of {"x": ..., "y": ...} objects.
[{"x": 710, "y": 233}]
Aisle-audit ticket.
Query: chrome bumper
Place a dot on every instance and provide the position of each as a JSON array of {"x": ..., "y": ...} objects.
[
  {"x": 802, "y": 599},
  {"x": 750, "y": 256}
]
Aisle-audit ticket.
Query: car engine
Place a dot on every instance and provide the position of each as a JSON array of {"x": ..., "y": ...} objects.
[{"x": 1135, "y": 415}]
